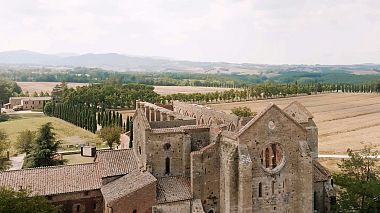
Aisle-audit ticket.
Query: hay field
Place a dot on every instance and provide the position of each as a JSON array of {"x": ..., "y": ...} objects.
[
  {"x": 38, "y": 87},
  {"x": 165, "y": 90},
  {"x": 32, "y": 87},
  {"x": 344, "y": 120}
]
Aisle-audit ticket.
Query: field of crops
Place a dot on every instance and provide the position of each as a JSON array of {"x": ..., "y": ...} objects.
[{"x": 344, "y": 120}]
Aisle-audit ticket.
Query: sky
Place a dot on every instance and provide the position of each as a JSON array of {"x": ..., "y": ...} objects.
[{"x": 251, "y": 31}]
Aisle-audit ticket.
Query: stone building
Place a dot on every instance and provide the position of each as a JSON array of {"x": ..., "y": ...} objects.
[
  {"x": 27, "y": 103},
  {"x": 190, "y": 158}
]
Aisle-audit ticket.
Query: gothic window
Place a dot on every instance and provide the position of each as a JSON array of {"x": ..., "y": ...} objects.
[
  {"x": 167, "y": 166},
  {"x": 267, "y": 157},
  {"x": 272, "y": 157},
  {"x": 273, "y": 187},
  {"x": 260, "y": 189}
]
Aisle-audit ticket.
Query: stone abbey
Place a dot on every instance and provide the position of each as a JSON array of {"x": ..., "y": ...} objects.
[{"x": 191, "y": 158}]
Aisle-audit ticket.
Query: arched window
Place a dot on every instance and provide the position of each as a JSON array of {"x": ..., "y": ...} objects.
[
  {"x": 140, "y": 150},
  {"x": 272, "y": 187},
  {"x": 167, "y": 166},
  {"x": 260, "y": 190},
  {"x": 135, "y": 211},
  {"x": 267, "y": 157}
]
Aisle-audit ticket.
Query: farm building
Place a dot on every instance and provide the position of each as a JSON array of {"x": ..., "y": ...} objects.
[{"x": 26, "y": 103}]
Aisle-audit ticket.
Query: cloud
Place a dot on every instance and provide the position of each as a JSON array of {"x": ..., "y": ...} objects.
[{"x": 271, "y": 31}]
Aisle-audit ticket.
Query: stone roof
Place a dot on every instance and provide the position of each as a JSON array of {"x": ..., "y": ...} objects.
[
  {"x": 116, "y": 162},
  {"x": 320, "y": 173},
  {"x": 54, "y": 180},
  {"x": 125, "y": 185},
  {"x": 71, "y": 178},
  {"x": 172, "y": 189}
]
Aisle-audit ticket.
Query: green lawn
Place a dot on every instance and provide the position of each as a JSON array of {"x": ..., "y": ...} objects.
[
  {"x": 68, "y": 133},
  {"x": 77, "y": 159}
]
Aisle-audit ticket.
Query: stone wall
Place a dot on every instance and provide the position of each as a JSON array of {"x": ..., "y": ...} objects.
[
  {"x": 138, "y": 201},
  {"x": 79, "y": 202},
  {"x": 205, "y": 177},
  {"x": 206, "y": 115},
  {"x": 168, "y": 154}
]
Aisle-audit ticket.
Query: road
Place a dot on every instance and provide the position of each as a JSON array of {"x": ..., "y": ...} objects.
[{"x": 341, "y": 156}]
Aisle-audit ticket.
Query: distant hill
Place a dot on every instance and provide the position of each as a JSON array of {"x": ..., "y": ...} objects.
[
  {"x": 119, "y": 62},
  {"x": 108, "y": 60}
]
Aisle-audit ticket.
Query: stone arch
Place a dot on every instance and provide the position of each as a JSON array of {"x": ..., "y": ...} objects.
[
  {"x": 201, "y": 120},
  {"x": 232, "y": 127},
  {"x": 209, "y": 122}
]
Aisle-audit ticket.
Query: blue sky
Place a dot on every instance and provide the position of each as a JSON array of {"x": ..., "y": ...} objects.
[{"x": 255, "y": 31}]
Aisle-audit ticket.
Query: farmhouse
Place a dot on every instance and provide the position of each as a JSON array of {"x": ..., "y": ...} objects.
[
  {"x": 190, "y": 158},
  {"x": 26, "y": 103}
]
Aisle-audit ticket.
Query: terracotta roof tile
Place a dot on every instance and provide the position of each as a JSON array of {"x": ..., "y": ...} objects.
[
  {"x": 171, "y": 189},
  {"x": 54, "y": 180},
  {"x": 116, "y": 162},
  {"x": 71, "y": 178},
  {"x": 125, "y": 185}
]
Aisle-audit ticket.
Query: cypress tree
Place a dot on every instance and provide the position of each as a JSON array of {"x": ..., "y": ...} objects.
[
  {"x": 128, "y": 119},
  {"x": 120, "y": 120}
]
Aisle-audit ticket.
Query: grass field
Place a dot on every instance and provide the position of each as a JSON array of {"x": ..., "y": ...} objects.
[
  {"x": 68, "y": 133},
  {"x": 344, "y": 120},
  {"x": 32, "y": 87}
]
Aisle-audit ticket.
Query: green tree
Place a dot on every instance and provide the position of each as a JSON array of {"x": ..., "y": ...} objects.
[
  {"x": 24, "y": 201},
  {"x": 111, "y": 135},
  {"x": 45, "y": 149},
  {"x": 359, "y": 182},
  {"x": 25, "y": 140},
  {"x": 4, "y": 144},
  {"x": 243, "y": 112},
  {"x": 49, "y": 108}
]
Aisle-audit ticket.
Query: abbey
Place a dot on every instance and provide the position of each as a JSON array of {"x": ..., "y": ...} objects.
[
  {"x": 267, "y": 163},
  {"x": 190, "y": 158}
]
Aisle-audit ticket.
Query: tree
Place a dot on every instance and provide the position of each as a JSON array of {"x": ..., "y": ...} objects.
[
  {"x": 12, "y": 201},
  {"x": 4, "y": 144},
  {"x": 111, "y": 135},
  {"x": 360, "y": 182},
  {"x": 49, "y": 109},
  {"x": 45, "y": 149},
  {"x": 25, "y": 141},
  {"x": 243, "y": 112}
]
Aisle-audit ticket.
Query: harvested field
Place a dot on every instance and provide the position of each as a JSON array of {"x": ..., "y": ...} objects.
[
  {"x": 38, "y": 87},
  {"x": 344, "y": 120},
  {"x": 32, "y": 87}
]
